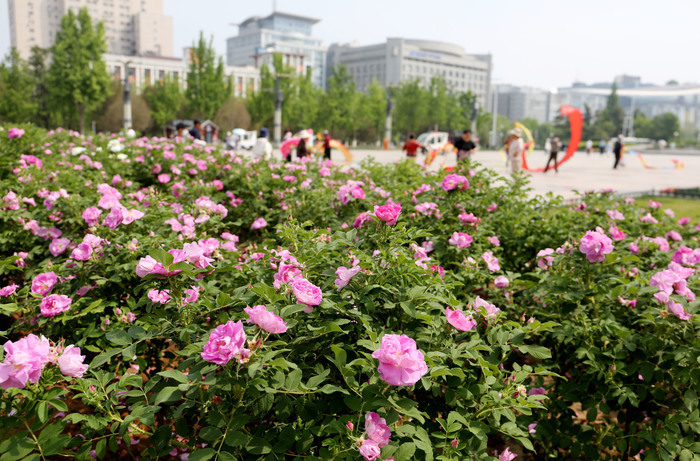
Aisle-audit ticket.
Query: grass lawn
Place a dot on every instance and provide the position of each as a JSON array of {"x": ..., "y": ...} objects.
[{"x": 682, "y": 207}]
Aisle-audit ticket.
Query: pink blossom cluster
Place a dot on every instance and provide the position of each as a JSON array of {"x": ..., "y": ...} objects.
[
  {"x": 459, "y": 319},
  {"x": 345, "y": 274},
  {"x": 455, "y": 181},
  {"x": 461, "y": 240},
  {"x": 226, "y": 342},
  {"x": 26, "y": 358},
  {"x": 400, "y": 362},
  {"x": 595, "y": 245},
  {"x": 429, "y": 209},
  {"x": 389, "y": 213},
  {"x": 351, "y": 190},
  {"x": 266, "y": 320},
  {"x": 195, "y": 253},
  {"x": 674, "y": 280},
  {"x": 378, "y": 435}
]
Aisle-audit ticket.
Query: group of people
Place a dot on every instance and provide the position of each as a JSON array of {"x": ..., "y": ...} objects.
[
  {"x": 263, "y": 147},
  {"x": 463, "y": 146}
]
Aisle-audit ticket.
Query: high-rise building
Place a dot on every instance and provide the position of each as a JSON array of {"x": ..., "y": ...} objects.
[
  {"x": 287, "y": 34},
  {"x": 132, "y": 27},
  {"x": 518, "y": 103},
  {"x": 401, "y": 59}
]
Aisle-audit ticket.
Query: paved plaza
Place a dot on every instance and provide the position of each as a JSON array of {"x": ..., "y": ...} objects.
[{"x": 582, "y": 172}]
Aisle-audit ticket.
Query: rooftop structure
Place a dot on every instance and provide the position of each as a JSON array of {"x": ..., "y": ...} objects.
[{"x": 259, "y": 38}]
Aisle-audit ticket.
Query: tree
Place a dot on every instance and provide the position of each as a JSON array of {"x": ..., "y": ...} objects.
[
  {"x": 40, "y": 96},
  {"x": 110, "y": 115},
  {"x": 78, "y": 76},
  {"x": 411, "y": 108},
  {"x": 613, "y": 112},
  {"x": 371, "y": 113},
  {"x": 207, "y": 88},
  {"x": 643, "y": 126},
  {"x": 261, "y": 104},
  {"x": 16, "y": 88},
  {"x": 165, "y": 100},
  {"x": 300, "y": 107},
  {"x": 339, "y": 104},
  {"x": 233, "y": 114},
  {"x": 533, "y": 125},
  {"x": 666, "y": 126}
]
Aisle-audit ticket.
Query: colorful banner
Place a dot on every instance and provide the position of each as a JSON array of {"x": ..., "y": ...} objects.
[
  {"x": 434, "y": 153},
  {"x": 576, "y": 124}
]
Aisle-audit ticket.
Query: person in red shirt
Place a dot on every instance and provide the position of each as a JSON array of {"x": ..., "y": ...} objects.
[{"x": 411, "y": 146}]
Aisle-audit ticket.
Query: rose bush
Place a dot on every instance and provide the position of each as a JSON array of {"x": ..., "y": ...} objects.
[{"x": 248, "y": 309}]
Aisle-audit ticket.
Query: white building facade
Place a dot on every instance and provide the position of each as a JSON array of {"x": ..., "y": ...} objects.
[
  {"x": 400, "y": 60},
  {"x": 132, "y": 27},
  {"x": 142, "y": 71},
  {"x": 290, "y": 35}
]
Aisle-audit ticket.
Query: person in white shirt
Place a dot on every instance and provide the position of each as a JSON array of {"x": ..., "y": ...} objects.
[
  {"x": 515, "y": 149},
  {"x": 262, "y": 147}
]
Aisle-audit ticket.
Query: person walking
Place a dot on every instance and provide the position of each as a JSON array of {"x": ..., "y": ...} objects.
[
  {"x": 515, "y": 150},
  {"x": 601, "y": 146},
  {"x": 617, "y": 150},
  {"x": 464, "y": 146},
  {"x": 196, "y": 131},
  {"x": 411, "y": 146},
  {"x": 553, "y": 152},
  {"x": 262, "y": 147},
  {"x": 302, "y": 151},
  {"x": 326, "y": 145},
  {"x": 589, "y": 146}
]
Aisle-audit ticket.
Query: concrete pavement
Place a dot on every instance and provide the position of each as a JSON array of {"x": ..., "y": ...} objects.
[{"x": 582, "y": 172}]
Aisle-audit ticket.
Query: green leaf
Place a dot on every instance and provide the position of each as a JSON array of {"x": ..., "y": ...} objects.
[
  {"x": 236, "y": 439},
  {"x": 258, "y": 446},
  {"x": 118, "y": 337},
  {"x": 691, "y": 400},
  {"x": 405, "y": 452},
  {"x": 538, "y": 352},
  {"x": 202, "y": 455},
  {"x": 293, "y": 380},
  {"x": 42, "y": 411},
  {"x": 168, "y": 394},
  {"x": 210, "y": 433},
  {"x": 177, "y": 375},
  {"x": 318, "y": 379}
]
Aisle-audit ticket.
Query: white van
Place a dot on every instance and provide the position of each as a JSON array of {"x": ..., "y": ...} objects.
[{"x": 433, "y": 139}]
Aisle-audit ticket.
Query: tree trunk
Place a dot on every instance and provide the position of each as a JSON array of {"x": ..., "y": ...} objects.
[{"x": 81, "y": 117}]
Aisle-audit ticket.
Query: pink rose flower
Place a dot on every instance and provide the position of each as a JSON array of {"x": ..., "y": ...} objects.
[
  {"x": 616, "y": 233},
  {"x": 501, "y": 282},
  {"x": 148, "y": 265},
  {"x": 400, "y": 362},
  {"x": 461, "y": 240},
  {"x": 457, "y": 319},
  {"x": 370, "y": 450},
  {"x": 8, "y": 290},
  {"x": 469, "y": 218},
  {"x": 388, "y": 213},
  {"x": 15, "y": 133},
  {"x": 345, "y": 275},
  {"x": 265, "y": 319},
  {"x": 44, "y": 282},
  {"x": 491, "y": 261},
  {"x": 92, "y": 215},
  {"x": 259, "y": 223},
  {"x": 161, "y": 297},
  {"x": 226, "y": 343},
  {"x": 615, "y": 215},
  {"x": 58, "y": 246},
  {"x": 678, "y": 310},
  {"x": 595, "y": 245},
  {"x": 675, "y": 236},
  {"x": 114, "y": 218},
  {"x": 452, "y": 181},
  {"x": 361, "y": 219},
  {"x": 494, "y": 241},
  {"x": 306, "y": 292},
  {"x": 54, "y": 305},
  {"x": 82, "y": 252},
  {"x": 686, "y": 256},
  {"x": 163, "y": 178},
  {"x": 71, "y": 362},
  {"x": 377, "y": 429},
  {"x": 490, "y": 311},
  {"x": 24, "y": 360},
  {"x": 507, "y": 455}
]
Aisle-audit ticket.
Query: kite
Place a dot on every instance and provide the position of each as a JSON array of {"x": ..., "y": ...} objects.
[
  {"x": 433, "y": 153},
  {"x": 576, "y": 124},
  {"x": 335, "y": 144},
  {"x": 677, "y": 164}
]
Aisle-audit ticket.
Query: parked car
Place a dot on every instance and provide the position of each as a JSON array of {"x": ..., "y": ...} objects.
[{"x": 434, "y": 140}]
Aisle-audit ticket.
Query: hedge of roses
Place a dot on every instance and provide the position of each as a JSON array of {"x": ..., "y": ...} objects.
[{"x": 163, "y": 299}]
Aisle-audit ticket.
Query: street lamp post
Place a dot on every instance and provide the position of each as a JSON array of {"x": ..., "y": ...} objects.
[
  {"x": 127, "y": 98},
  {"x": 277, "y": 119},
  {"x": 387, "y": 120},
  {"x": 494, "y": 132}
]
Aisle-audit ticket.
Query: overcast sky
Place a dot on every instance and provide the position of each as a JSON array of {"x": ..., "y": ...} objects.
[{"x": 540, "y": 43}]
